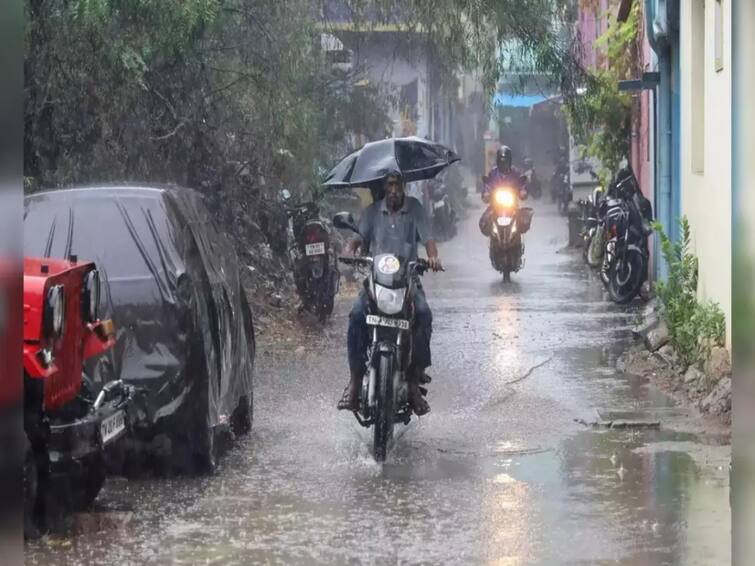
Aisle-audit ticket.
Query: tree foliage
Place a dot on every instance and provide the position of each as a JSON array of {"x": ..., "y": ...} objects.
[{"x": 601, "y": 116}]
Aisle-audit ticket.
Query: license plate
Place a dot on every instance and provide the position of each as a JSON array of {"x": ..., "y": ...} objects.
[
  {"x": 315, "y": 249},
  {"x": 374, "y": 320},
  {"x": 439, "y": 204},
  {"x": 504, "y": 220},
  {"x": 112, "y": 426}
]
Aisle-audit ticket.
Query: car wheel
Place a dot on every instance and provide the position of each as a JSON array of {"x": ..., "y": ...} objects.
[{"x": 243, "y": 416}]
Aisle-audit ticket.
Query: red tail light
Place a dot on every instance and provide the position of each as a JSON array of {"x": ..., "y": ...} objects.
[{"x": 314, "y": 234}]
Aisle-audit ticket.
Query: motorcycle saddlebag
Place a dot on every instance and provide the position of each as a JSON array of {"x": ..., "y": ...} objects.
[
  {"x": 524, "y": 219},
  {"x": 486, "y": 222}
]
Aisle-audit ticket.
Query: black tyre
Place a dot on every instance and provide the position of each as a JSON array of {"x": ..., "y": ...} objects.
[
  {"x": 86, "y": 487},
  {"x": 243, "y": 416},
  {"x": 31, "y": 491},
  {"x": 626, "y": 277},
  {"x": 383, "y": 426},
  {"x": 594, "y": 249}
]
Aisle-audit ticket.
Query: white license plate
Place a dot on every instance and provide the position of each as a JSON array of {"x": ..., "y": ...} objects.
[
  {"x": 439, "y": 204},
  {"x": 374, "y": 320},
  {"x": 504, "y": 220},
  {"x": 112, "y": 426},
  {"x": 315, "y": 249}
]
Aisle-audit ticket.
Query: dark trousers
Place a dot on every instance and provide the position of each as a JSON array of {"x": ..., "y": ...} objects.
[{"x": 358, "y": 338}]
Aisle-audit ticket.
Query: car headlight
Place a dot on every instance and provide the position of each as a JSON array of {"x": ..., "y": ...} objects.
[
  {"x": 90, "y": 297},
  {"x": 53, "y": 316},
  {"x": 389, "y": 301},
  {"x": 505, "y": 198}
]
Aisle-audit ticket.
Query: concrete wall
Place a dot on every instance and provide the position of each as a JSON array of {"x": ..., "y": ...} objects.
[{"x": 706, "y": 146}]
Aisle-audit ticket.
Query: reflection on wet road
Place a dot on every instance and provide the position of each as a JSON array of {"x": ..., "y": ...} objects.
[{"x": 498, "y": 473}]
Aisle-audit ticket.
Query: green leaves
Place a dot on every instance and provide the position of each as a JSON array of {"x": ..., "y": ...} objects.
[
  {"x": 600, "y": 118},
  {"x": 694, "y": 327}
]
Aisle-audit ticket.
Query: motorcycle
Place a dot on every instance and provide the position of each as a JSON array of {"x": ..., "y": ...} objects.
[
  {"x": 384, "y": 395},
  {"x": 533, "y": 184},
  {"x": 443, "y": 214},
  {"x": 626, "y": 255},
  {"x": 312, "y": 258},
  {"x": 504, "y": 225}
]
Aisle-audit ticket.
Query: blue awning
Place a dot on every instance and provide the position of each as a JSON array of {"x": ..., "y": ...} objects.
[{"x": 517, "y": 100}]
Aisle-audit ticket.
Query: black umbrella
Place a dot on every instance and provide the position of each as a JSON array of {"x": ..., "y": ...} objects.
[{"x": 414, "y": 157}]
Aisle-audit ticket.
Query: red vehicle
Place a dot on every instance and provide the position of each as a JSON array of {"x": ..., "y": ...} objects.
[{"x": 67, "y": 421}]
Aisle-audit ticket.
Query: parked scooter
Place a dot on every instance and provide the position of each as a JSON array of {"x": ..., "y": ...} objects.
[
  {"x": 504, "y": 225},
  {"x": 627, "y": 222},
  {"x": 384, "y": 395},
  {"x": 312, "y": 258}
]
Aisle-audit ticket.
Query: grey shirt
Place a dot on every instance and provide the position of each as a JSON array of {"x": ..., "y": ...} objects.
[{"x": 395, "y": 233}]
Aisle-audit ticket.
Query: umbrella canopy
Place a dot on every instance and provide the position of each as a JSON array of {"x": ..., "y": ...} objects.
[{"x": 414, "y": 157}]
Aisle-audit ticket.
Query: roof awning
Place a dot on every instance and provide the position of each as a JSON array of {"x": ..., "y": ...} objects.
[{"x": 517, "y": 100}]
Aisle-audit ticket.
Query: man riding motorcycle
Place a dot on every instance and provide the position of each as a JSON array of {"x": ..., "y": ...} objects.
[
  {"x": 504, "y": 173},
  {"x": 394, "y": 225}
]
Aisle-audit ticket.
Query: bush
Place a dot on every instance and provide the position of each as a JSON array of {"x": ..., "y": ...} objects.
[{"x": 694, "y": 327}]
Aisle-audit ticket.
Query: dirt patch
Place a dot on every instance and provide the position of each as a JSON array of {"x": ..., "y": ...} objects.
[{"x": 691, "y": 388}]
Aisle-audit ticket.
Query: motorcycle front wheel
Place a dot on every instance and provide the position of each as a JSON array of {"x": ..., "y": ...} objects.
[
  {"x": 383, "y": 415},
  {"x": 625, "y": 279}
]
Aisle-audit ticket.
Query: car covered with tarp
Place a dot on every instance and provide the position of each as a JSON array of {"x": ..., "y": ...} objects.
[{"x": 171, "y": 284}]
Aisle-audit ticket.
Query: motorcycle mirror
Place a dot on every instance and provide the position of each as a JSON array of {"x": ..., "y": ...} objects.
[{"x": 345, "y": 221}]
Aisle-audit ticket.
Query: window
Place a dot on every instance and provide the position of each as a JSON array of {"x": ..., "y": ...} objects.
[{"x": 719, "y": 35}]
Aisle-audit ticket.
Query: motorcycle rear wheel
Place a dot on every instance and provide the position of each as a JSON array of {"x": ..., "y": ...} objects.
[
  {"x": 625, "y": 279},
  {"x": 383, "y": 421}
]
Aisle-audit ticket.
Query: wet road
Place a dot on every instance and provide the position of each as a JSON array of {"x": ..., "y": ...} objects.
[{"x": 499, "y": 472}]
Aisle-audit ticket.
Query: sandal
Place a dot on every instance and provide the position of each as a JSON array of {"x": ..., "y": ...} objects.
[
  {"x": 347, "y": 402},
  {"x": 419, "y": 405}
]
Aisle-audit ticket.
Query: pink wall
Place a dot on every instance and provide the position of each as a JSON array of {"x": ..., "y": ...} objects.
[{"x": 592, "y": 24}]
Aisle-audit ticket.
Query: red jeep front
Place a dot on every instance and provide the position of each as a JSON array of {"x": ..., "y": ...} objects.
[{"x": 67, "y": 421}]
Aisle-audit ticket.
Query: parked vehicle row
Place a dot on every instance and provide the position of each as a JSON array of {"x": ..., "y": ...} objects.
[
  {"x": 615, "y": 238},
  {"x": 143, "y": 330}
]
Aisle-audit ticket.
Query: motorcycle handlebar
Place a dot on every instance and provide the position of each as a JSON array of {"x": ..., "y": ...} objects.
[{"x": 421, "y": 265}]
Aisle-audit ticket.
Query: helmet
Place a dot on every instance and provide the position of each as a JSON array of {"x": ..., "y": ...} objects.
[{"x": 503, "y": 157}]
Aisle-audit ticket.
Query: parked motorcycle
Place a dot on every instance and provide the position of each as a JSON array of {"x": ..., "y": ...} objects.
[
  {"x": 313, "y": 260},
  {"x": 504, "y": 225},
  {"x": 444, "y": 217},
  {"x": 384, "y": 396},
  {"x": 627, "y": 222}
]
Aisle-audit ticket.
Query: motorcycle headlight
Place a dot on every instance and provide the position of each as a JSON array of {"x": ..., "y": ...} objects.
[
  {"x": 53, "y": 316},
  {"x": 389, "y": 301},
  {"x": 505, "y": 198},
  {"x": 90, "y": 297}
]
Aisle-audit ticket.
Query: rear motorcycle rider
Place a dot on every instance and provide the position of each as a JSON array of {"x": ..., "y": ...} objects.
[
  {"x": 394, "y": 225},
  {"x": 502, "y": 174}
]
